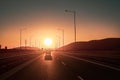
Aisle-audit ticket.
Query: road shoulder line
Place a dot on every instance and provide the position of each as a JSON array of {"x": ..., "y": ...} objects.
[
  {"x": 107, "y": 66},
  {"x": 6, "y": 75}
]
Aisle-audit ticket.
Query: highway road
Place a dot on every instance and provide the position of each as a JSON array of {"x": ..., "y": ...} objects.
[{"x": 61, "y": 67}]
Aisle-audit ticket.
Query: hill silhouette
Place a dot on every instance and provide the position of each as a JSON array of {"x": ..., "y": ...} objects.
[
  {"x": 26, "y": 48},
  {"x": 103, "y": 44}
]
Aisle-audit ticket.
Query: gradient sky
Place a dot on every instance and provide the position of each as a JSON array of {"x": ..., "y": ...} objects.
[{"x": 96, "y": 19}]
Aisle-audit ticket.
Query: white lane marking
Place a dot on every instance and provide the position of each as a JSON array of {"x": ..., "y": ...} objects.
[
  {"x": 107, "y": 66},
  {"x": 63, "y": 63},
  {"x": 79, "y": 77},
  {"x": 6, "y": 75}
]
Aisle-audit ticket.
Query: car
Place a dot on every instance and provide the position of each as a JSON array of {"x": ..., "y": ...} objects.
[{"x": 48, "y": 55}]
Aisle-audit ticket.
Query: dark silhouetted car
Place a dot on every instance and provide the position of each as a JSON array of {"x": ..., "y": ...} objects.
[{"x": 48, "y": 55}]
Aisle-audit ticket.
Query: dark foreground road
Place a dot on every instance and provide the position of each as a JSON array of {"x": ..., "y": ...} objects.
[{"x": 61, "y": 67}]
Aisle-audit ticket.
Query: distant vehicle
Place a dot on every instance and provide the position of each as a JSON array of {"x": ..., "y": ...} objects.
[{"x": 48, "y": 55}]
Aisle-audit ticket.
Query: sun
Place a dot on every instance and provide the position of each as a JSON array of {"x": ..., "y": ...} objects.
[{"x": 48, "y": 41}]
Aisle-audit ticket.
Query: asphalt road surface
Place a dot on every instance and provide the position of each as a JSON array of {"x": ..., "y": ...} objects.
[{"x": 61, "y": 67}]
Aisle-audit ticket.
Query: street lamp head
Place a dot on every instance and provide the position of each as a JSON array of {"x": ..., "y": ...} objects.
[
  {"x": 66, "y": 10},
  {"x": 69, "y": 11}
]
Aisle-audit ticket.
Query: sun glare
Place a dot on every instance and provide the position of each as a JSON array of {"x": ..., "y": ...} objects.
[{"x": 48, "y": 41}]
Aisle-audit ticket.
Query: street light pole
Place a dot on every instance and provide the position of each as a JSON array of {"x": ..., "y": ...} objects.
[
  {"x": 75, "y": 25},
  {"x": 74, "y": 14},
  {"x": 57, "y": 41},
  {"x": 62, "y": 35},
  {"x": 21, "y": 37}
]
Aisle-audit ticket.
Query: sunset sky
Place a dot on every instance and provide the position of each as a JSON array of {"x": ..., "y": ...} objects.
[{"x": 96, "y": 19}]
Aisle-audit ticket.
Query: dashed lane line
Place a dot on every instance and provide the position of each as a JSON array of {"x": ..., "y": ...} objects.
[
  {"x": 79, "y": 77},
  {"x": 63, "y": 63}
]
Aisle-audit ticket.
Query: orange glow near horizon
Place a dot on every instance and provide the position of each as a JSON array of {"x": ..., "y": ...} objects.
[{"x": 37, "y": 31}]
